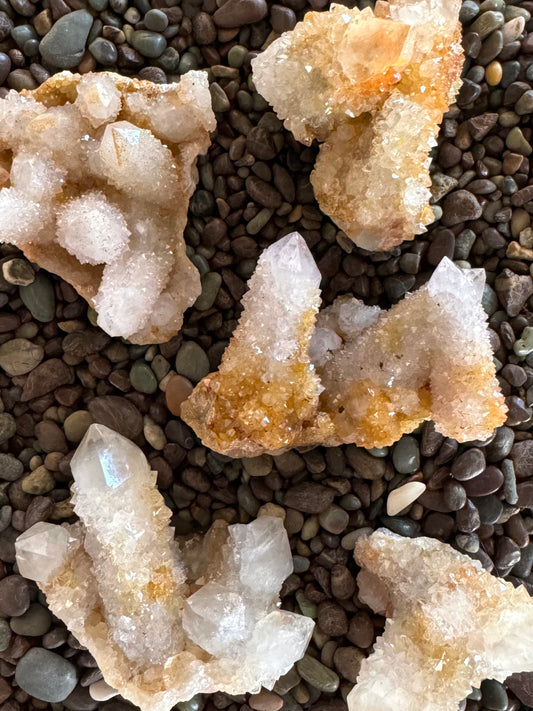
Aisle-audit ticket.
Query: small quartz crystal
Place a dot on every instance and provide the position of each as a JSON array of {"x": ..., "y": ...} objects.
[
  {"x": 450, "y": 625},
  {"x": 164, "y": 619},
  {"x": 372, "y": 87},
  {"x": 98, "y": 172},
  {"x": 355, "y": 373}
]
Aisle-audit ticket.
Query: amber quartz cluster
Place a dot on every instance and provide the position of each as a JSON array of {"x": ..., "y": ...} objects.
[
  {"x": 355, "y": 373},
  {"x": 371, "y": 87},
  {"x": 96, "y": 175}
]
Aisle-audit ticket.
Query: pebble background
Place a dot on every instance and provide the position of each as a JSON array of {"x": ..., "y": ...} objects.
[{"x": 59, "y": 373}]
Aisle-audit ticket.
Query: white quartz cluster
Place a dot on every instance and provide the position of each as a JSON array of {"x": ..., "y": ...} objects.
[
  {"x": 164, "y": 619},
  {"x": 450, "y": 625},
  {"x": 98, "y": 172},
  {"x": 355, "y": 373}
]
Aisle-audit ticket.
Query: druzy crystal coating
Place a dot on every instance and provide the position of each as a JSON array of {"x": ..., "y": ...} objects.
[
  {"x": 164, "y": 619},
  {"x": 450, "y": 625},
  {"x": 100, "y": 170},
  {"x": 355, "y": 373},
  {"x": 371, "y": 87}
]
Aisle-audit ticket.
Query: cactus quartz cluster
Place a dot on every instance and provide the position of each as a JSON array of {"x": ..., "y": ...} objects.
[
  {"x": 372, "y": 87},
  {"x": 164, "y": 619},
  {"x": 357, "y": 374},
  {"x": 96, "y": 172}
]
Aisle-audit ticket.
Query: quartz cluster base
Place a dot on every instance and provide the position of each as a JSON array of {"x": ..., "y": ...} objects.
[
  {"x": 355, "y": 373},
  {"x": 164, "y": 619},
  {"x": 450, "y": 625},
  {"x": 96, "y": 172},
  {"x": 372, "y": 87}
]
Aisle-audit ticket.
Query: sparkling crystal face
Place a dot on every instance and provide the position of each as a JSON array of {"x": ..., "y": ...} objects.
[
  {"x": 41, "y": 550},
  {"x": 105, "y": 458}
]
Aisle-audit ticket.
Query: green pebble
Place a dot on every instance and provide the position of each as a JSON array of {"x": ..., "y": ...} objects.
[
  {"x": 22, "y": 33},
  {"x": 247, "y": 500},
  {"x": 142, "y": 378},
  {"x": 245, "y": 101},
  {"x": 259, "y": 221},
  {"x": 149, "y": 44},
  {"x": 406, "y": 455},
  {"x": 98, "y": 5},
  {"x": 524, "y": 105},
  {"x": 317, "y": 674},
  {"x": 34, "y": 622},
  {"x": 211, "y": 283},
  {"x": 187, "y": 62},
  {"x": 103, "y": 51},
  {"x": 64, "y": 45},
  {"x": 307, "y": 607},
  {"x": 516, "y": 141},
  {"x": 487, "y": 22},
  {"x": 237, "y": 55},
  {"x": 300, "y": 564},
  {"x": 219, "y": 100},
  {"x": 39, "y": 298},
  {"x": 192, "y": 362},
  {"x": 45, "y": 675},
  {"x": 5, "y": 516},
  {"x": 489, "y": 300},
  {"x": 378, "y": 452},
  {"x": 156, "y": 20},
  {"x": 5, "y": 635}
]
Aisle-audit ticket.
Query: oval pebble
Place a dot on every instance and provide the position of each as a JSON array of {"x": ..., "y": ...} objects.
[
  {"x": 142, "y": 378},
  {"x": 317, "y": 675},
  {"x": 406, "y": 455},
  {"x": 192, "y": 362},
  {"x": 46, "y": 675},
  {"x": 34, "y": 622},
  {"x": 19, "y": 356},
  {"x": 402, "y": 497},
  {"x": 39, "y": 297}
]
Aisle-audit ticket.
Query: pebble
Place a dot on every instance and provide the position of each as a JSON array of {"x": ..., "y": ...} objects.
[
  {"x": 192, "y": 362},
  {"x": 39, "y": 296},
  {"x": 516, "y": 141},
  {"x": 19, "y": 356},
  {"x": 211, "y": 283},
  {"x": 494, "y": 73},
  {"x": 47, "y": 376},
  {"x": 524, "y": 345},
  {"x": 157, "y": 21},
  {"x": 235, "y": 13},
  {"x": 149, "y": 44},
  {"x": 402, "y": 497},
  {"x": 103, "y": 51},
  {"x": 522, "y": 687},
  {"x": 501, "y": 445},
  {"x": 14, "y": 596},
  {"x": 76, "y": 425},
  {"x": 11, "y": 468},
  {"x": 117, "y": 413},
  {"x": 513, "y": 290},
  {"x": 489, "y": 508},
  {"x": 485, "y": 483},
  {"x": 46, "y": 675},
  {"x": 8, "y": 427},
  {"x": 64, "y": 45},
  {"x": 334, "y": 519},
  {"x": 142, "y": 378},
  {"x": 101, "y": 691},
  {"x": 39, "y": 481},
  {"x": 265, "y": 701},
  {"x": 34, "y": 622},
  {"x": 18, "y": 271},
  {"x": 406, "y": 455},
  {"x": 493, "y": 695},
  {"x": 309, "y": 497},
  {"x": 317, "y": 675},
  {"x": 460, "y": 206},
  {"x": 177, "y": 390},
  {"x": 5, "y": 635},
  {"x": 365, "y": 465}
]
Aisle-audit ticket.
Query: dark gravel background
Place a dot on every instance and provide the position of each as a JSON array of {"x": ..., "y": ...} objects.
[{"x": 254, "y": 187}]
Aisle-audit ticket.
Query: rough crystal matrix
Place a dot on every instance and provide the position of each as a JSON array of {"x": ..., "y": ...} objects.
[
  {"x": 97, "y": 174},
  {"x": 451, "y": 624},
  {"x": 372, "y": 87},
  {"x": 164, "y": 619},
  {"x": 359, "y": 374}
]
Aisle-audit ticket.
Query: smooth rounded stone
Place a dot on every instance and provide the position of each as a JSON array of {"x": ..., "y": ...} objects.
[
  {"x": 19, "y": 356},
  {"x": 39, "y": 296},
  {"x": 236, "y": 13},
  {"x": 516, "y": 142},
  {"x": 47, "y": 376},
  {"x": 64, "y": 45},
  {"x": 258, "y": 466},
  {"x": 211, "y": 283},
  {"x": 11, "y": 468},
  {"x": 6, "y": 26},
  {"x": 522, "y": 687},
  {"x": 34, "y": 622},
  {"x": 142, "y": 378},
  {"x": 467, "y": 518},
  {"x": 525, "y": 494},
  {"x": 364, "y": 464},
  {"x": 5, "y": 635},
  {"x": 342, "y": 582},
  {"x": 103, "y": 51},
  {"x": 488, "y": 482},
  {"x": 14, "y": 596},
  {"x": 347, "y": 661},
  {"x": 101, "y": 691},
  {"x": 39, "y": 509},
  {"x": 50, "y": 437},
  {"x": 177, "y": 391},
  {"x": 265, "y": 701},
  {"x": 507, "y": 553},
  {"x": 76, "y": 425},
  {"x": 454, "y": 495},
  {"x": 468, "y": 465},
  {"x": 192, "y": 362},
  {"x": 438, "y": 525},
  {"x": 514, "y": 374},
  {"x": 149, "y": 44},
  {"x": 309, "y": 497},
  {"x": 203, "y": 28},
  {"x": 401, "y": 526},
  {"x": 361, "y": 630},
  {"x": 493, "y": 695},
  {"x": 490, "y": 508},
  {"x": 5, "y": 66},
  {"x": 406, "y": 455},
  {"x": 469, "y": 10},
  {"x": 524, "y": 105},
  {"x": 460, "y": 206},
  {"x": 39, "y": 481},
  {"x": 263, "y": 193},
  {"x": 45, "y": 675},
  {"x": 317, "y": 674},
  {"x": 334, "y": 519},
  {"x": 402, "y": 497},
  {"x": 468, "y": 542},
  {"x": 8, "y": 426},
  {"x": 117, "y": 413},
  {"x": 18, "y": 271},
  {"x": 155, "y": 20}
]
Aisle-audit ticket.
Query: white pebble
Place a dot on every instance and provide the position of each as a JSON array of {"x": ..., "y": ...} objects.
[
  {"x": 101, "y": 691},
  {"x": 403, "y": 496}
]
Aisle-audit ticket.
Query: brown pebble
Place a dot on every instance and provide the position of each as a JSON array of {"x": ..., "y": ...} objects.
[
  {"x": 361, "y": 630},
  {"x": 332, "y": 619},
  {"x": 347, "y": 662},
  {"x": 177, "y": 391},
  {"x": 265, "y": 701}
]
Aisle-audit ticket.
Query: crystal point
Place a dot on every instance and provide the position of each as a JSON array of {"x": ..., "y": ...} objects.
[
  {"x": 451, "y": 624},
  {"x": 164, "y": 619},
  {"x": 372, "y": 87},
  {"x": 359, "y": 375},
  {"x": 101, "y": 171}
]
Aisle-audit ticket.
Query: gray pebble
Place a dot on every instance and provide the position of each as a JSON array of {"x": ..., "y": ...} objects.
[
  {"x": 156, "y": 20},
  {"x": 468, "y": 465},
  {"x": 486, "y": 23},
  {"x": 64, "y": 45},
  {"x": 45, "y": 675},
  {"x": 211, "y": 283},
  {"x": 406, "y": 455},
  {"x": 39, "y": 297},
  {"x": 493, "y": 695},
  {"x": 192, "y": 362},
  {"x": 489, "y": 507},
  {"x": 142, "y": 378},
  {"x": 317, "y": 674},
  {"x": 11, "y": 468},
  {"x": 103, "y": 51},
  {"x": 149, "y": 44},
  {"x": 8, "y": 427},
  {"x": 34, "y": 622},
  {"x": 14, "y": 596}
]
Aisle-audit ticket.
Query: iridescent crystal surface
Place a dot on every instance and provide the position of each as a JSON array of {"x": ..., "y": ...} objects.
[
  {"x": 450, "y": 625},
  {"x": 98, "y": 173},
  {"x": 372, "y": 87},
  {"x": 355, "y": 373},
  {"x": 164, "y": 619}
]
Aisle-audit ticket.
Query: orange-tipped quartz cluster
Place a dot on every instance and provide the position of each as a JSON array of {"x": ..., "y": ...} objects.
[
  {"x": 357, "y": 374},
  {"x": 372, "y": 87}
]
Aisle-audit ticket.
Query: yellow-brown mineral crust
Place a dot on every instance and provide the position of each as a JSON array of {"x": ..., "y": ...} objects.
[{"x": 372, "y": 87}]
